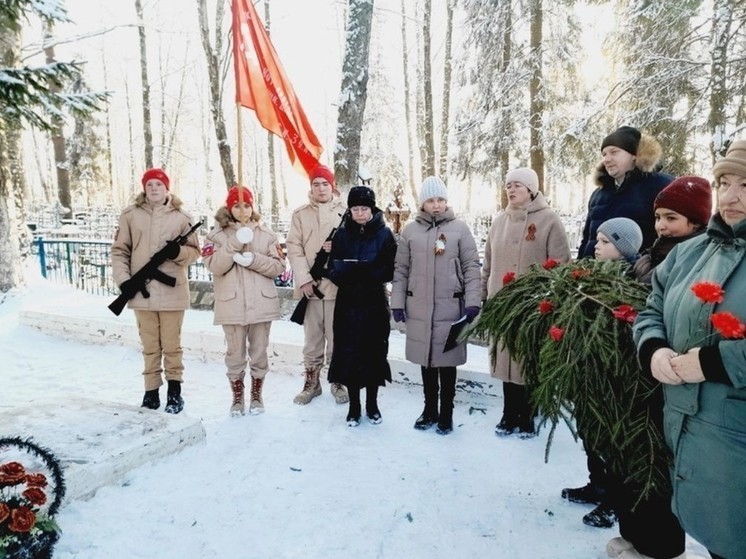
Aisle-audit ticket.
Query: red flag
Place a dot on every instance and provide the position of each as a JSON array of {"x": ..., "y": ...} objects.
[{"x": 261, "y": 85}]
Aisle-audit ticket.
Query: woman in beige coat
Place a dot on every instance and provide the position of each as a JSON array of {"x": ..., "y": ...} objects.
[
  {"x": 436, "y": 283},
  {"x": 244, "y": 257},
  {"x": 527, "y": 232}
]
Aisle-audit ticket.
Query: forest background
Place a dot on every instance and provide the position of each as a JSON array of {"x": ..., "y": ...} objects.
[{"x": 465, "y": 89}]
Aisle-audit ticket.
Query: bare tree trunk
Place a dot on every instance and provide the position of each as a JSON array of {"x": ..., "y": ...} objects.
[
  {"x": 445, "y": 112},
  {"x": 167, "y": 148},
  {"x": 506, "y": 14},
  {"x": 216, "y": 95},
  {"x": 427, "y": 136},
  {"x": 58, "y": 139},
  {"x": 44, "y": 170},
  {"x": 146, "y": 124},
  {"x": 130, "y": 133},
  {"x": 407, "y": 104},
  {"x": 354, "y": 92},
  {"x": 722, "y": 18},
  {"x": 109, "y": 156},
  {"x": 11, "y": 270},
  {"x": 536, "y": 92}
]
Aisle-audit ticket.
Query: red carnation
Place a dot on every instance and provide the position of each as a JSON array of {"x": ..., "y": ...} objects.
[
  {"x": 35, "y": 496},
  {"x": 556, "y": 333},
  {"x": 708, "y": 292},
  {"x": 36, "y": 480},
  {"x": 550, "y": 263},
  {"x": 728, "y": 325},
  {"x": 625, "y": 313},
  {"x": 578, "y": 273},
  {"x": 546, "y": 306},
  {"x": 22, "y": 519},
  {"x": 508, "y": 277}
]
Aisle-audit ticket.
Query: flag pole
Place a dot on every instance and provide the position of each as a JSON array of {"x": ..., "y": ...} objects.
[{"x": 239, "y": 157}]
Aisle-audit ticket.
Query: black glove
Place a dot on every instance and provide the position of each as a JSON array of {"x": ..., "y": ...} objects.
[
  {"x": 172, "y": 250},
  {"x": 128, "y": 288}
]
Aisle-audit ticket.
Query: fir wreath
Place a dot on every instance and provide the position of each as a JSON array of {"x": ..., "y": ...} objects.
[
  {"x": 31, "y": 492},
  {"x": 570, "y": 327}
]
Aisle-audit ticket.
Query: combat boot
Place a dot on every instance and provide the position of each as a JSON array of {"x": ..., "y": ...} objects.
[
  {"x": 256, "y": 405},
  {"x": 311, "y": 388},
  {"x": 237, "y": 407},
  {"x": 174, "y": 401},
  {"x": 339, "y": 392}
]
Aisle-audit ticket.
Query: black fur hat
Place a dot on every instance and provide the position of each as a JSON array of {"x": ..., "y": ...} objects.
[{"x": 361, "y": 196}]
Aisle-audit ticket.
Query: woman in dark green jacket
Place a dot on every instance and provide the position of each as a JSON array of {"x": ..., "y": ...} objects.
[{"x": 691, "y": 338}]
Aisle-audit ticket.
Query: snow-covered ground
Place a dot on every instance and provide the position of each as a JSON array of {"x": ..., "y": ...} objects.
[{"x": 296, "y": 481}]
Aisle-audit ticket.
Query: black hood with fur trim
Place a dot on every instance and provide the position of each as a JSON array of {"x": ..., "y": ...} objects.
[{"x": 632, "y": 199}]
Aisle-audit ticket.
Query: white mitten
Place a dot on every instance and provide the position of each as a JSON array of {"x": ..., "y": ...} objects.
[
  {"x": 245, "y": 235},
  {"x": 244, "y": 259}
]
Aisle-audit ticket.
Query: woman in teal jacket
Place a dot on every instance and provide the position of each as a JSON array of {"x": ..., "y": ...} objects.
[{"x": 691, "y": 338}]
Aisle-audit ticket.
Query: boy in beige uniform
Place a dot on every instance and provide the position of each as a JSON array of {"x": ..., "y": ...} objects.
[
  {"x": 309, "y": 228},
  {"x": 144, "y": 228}
]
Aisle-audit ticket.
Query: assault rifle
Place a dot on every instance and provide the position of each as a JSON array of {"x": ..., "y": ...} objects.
[
  {"x": 318, "y": 271},
  {"x": 137, "y": 283}
]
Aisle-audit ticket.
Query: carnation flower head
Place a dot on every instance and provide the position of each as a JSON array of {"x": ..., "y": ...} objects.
[
  {"x": 545, "y": 306},
  {"x": 625, "y": 313},
  {"x": 708, "y": 292},
  {"x": 556, "y": 333},
  {"x": 728, "y": 325},
  {"x": 508, "y": 277},
  {"x": 550, "y": 263}
]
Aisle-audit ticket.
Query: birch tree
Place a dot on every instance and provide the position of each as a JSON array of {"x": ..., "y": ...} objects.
[
  {"x": 216, "y": 69},
  {"x": 354, "y": 92}
]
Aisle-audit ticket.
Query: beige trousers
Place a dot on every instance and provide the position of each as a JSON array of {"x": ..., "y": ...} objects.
[
  {"x": 160, "y": 336},
  {"x": 318, "y": 333},
  {"x": 236, "y": 338}
]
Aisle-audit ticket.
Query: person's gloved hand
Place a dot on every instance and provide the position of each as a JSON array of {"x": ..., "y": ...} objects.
[
  {"x": 172, "y": 250},
  {"x": 245, "y": 235},
  {"x": 471, "y": 313},
  {"x": 128, "y": 288},
  {"x": 399, "y": 315},
  {"x": 244, "y": 259}
]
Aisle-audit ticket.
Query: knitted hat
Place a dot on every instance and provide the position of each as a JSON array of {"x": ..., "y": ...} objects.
[
  {"x": 361, "y": 196},
  {"x": 232, "y": 198},
  {"x": 624, "y": 137},
  {"x": 734, "y": 162},
  {"x": 433, "y": 187},
  {"x": 624, "y": 234},
  {"x": 159, "y": 174},
  {"x": 322, "y": 171},
  {"x": 690, "y": 196},
  {"x": 526, "y": 177}
]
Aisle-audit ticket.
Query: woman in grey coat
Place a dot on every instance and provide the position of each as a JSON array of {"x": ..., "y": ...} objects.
[{"x": 436, "y": 283}]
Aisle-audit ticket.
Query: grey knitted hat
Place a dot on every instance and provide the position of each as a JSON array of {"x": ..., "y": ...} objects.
[
  {"x": 624, "y": 234},
  {"x": 433, "y": 187}
]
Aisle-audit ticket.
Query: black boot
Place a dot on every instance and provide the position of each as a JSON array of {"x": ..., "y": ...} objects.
[
  {"x": 174, "y": 401},
  {"x": 447, "y": 393},
  {"x": 353, "y": 413},
  {"x": 526, "y": 414},
  {"x": 429, "y": 416},
  {"x": 151, "y": 400},
  {"x": 371, "y": 404},
  {"x": 509, "y": 421}
]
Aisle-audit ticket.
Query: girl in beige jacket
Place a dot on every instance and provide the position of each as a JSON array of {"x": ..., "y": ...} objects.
[{"x": 244, "y": 257}]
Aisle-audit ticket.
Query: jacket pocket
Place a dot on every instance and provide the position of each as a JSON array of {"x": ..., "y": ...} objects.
[
  {"x": 225, "y": 295},
  {"x": 269, "y": 293},
  {"x": 459, "y": 277}
]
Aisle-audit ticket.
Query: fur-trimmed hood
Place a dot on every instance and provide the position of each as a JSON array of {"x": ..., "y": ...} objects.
[
  {"x": 647, "y": 160},
  {"x": 172, "y": 199},
  {"x": 224, "y": 219}
]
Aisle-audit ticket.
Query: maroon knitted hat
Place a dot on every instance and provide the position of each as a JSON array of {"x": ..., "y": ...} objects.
[{"x": 690, "y": 196}]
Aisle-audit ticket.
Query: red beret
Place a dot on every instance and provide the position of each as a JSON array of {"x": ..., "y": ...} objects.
[{"x": 159, "y": 174}]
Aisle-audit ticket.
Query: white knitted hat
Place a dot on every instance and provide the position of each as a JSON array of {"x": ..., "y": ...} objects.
[
  {"x": 433, "y": 187},
  {"x": 526, "y": 177}
]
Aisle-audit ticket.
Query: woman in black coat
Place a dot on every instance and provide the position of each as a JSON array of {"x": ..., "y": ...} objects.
[{"x": 360, "y": 264}]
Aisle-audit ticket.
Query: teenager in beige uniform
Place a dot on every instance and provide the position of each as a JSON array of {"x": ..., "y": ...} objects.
[
  {"x": 310, "y": 226},
  {"x": 144, "y": 228},
  {"x": 244, "y": 257}
]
